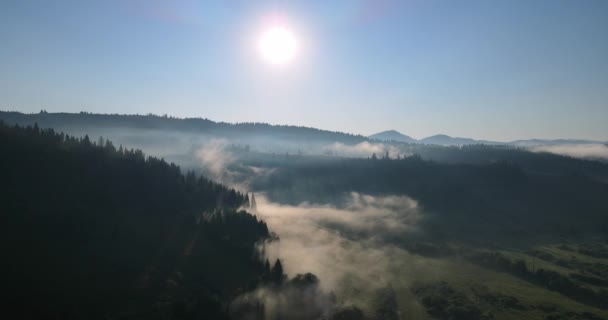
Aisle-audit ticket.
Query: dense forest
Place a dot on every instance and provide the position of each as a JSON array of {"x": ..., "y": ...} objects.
[
  {"x": 90, "y": 230},
  {"x": 515, "y": 195}
]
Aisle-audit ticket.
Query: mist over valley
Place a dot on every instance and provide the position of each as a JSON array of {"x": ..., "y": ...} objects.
[
  {"x": 304, "y": 160},
  {"x": 371, "y": 229}
]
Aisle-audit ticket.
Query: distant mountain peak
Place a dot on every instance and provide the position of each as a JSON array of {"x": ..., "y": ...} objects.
[
  {"x": 392, "y": 135},
  {"x": 441, "y": 135},
  {"x": 391, "y": 132}
]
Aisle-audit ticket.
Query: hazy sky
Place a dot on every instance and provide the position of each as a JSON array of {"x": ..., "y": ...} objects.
[{"x": 497, "y": 70}]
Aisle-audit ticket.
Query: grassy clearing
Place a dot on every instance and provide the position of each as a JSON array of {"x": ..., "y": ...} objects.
[{"x": 471, "y": 279}]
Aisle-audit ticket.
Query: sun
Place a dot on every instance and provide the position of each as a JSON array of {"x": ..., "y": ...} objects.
[{"x": 278, "y": 45}]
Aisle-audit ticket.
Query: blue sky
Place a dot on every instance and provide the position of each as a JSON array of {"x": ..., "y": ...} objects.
[{"x": 500, "y": 70}]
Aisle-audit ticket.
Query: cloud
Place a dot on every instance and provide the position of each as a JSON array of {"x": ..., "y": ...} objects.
[{"x": 585, "y": 151}]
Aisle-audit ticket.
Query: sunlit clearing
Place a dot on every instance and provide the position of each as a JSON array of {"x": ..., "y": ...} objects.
[{"x": 277, "y": 45}]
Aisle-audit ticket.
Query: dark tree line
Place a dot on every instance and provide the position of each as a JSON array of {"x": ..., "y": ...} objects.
[
  {"x": 197, "y": 125},
  {"x": 92, "y": 230},
  {"x": 500, "y": 196}
]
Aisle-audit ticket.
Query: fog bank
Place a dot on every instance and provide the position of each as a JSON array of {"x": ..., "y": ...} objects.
[
  {"x": 585, "y": 151},
  {"x": 347, "y": 248}
]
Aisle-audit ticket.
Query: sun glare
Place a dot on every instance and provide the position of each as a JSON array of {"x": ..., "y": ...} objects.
[{"x": 277, "y": 45}]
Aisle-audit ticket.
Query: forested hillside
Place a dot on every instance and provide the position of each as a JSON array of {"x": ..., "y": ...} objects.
[
  {"x": 187, "y": 125},
  {"x": 90, "y": 230},
  {"x": 517, "y": 197}
]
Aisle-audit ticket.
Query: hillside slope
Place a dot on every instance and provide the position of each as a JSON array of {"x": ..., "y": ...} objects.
[
  {"x": 188, "y": 125},
  {"x": 92, "y": 231}
]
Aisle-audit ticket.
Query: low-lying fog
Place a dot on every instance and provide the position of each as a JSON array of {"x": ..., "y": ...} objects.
[
  {"x": 584, "y": 151},
  {"x": 349, "y": 250},
  {"x": 334, "y": 242}
]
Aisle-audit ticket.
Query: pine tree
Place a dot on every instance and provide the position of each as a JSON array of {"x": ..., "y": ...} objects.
[
  {"x": 86, "y": 140},
  {"x": 277, "y": 272},
  {"x": 110, "y": 146}
]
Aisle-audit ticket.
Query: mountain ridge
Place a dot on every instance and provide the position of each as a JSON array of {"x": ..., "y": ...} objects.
[
  {"x": 446, "y": 140},
  {"x": 204, "y": 125}
]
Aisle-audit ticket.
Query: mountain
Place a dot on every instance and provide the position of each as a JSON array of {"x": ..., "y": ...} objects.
[
  {"x": 392, "y": 135},
  {"x": 439, "y": 139},
  {"x": 445, "y": 140}
]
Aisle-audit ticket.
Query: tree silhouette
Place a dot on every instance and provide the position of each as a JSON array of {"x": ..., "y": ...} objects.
[{"x": 277, "y": 275}]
